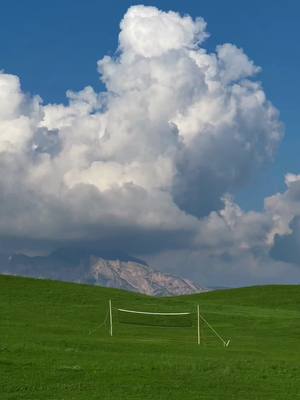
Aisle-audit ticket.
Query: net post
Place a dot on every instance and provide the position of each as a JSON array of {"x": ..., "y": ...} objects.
[
  {"x": 110, "y": 319},
  {"x": 198, "y": 325}
]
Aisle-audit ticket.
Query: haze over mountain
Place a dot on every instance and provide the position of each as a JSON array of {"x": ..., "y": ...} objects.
[{"x": 105, "y": 268}]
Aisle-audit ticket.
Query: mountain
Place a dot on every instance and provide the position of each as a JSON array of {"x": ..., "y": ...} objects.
[{"x": 104, "y": 268}]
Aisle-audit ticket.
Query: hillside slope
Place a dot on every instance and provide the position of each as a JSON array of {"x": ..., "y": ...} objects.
[{"x": 52, "y": 346}]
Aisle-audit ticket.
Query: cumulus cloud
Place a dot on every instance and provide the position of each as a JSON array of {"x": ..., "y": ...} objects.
[
  {"x": 285, "y": 211},
  {"x": 171, "y": 31},
  {"x": 237, "y": 248},
  {"x": 145, "y": 165}
]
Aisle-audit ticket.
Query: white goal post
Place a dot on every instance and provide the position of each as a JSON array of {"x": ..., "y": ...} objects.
[{"x": 168, "y": 314}]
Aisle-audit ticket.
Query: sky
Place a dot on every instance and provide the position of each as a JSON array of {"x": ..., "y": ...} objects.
[
  {"x": 53, "y": 48},
  {"x": 198, "y": 179}
]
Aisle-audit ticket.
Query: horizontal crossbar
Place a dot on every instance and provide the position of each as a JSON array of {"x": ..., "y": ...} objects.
[{"x": 152, "y": 313}]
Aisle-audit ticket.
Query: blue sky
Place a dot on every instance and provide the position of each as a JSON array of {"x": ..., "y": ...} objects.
[
  {"x": 53, "y": 46},
  {"x": 145, "y": 168}
]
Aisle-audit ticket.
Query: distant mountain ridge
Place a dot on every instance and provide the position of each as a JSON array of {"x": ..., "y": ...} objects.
[{"x": 104, "y": 268}]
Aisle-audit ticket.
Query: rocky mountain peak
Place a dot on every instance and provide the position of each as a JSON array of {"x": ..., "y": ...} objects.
[{"x": 139, "y": 278}]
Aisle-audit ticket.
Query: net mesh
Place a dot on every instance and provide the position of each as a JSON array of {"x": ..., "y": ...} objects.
[{"x": 175, "y": 320}]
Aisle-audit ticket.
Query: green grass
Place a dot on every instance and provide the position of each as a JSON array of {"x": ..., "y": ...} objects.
[{"x": 46, "y": 351}]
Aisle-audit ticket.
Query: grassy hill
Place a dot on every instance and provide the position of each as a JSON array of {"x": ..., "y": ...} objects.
[{"x": 46, "y": 351}]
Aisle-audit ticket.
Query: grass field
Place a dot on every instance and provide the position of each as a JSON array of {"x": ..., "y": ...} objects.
[{"x": 46, "y": 351}]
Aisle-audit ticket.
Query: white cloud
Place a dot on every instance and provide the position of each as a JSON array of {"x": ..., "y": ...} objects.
[
  {"x": 234, "y": 64},
  {"x": 18, "y": 115},
  {"x": 237, "y": 248},
  {"x": 149, "y": 32}
]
